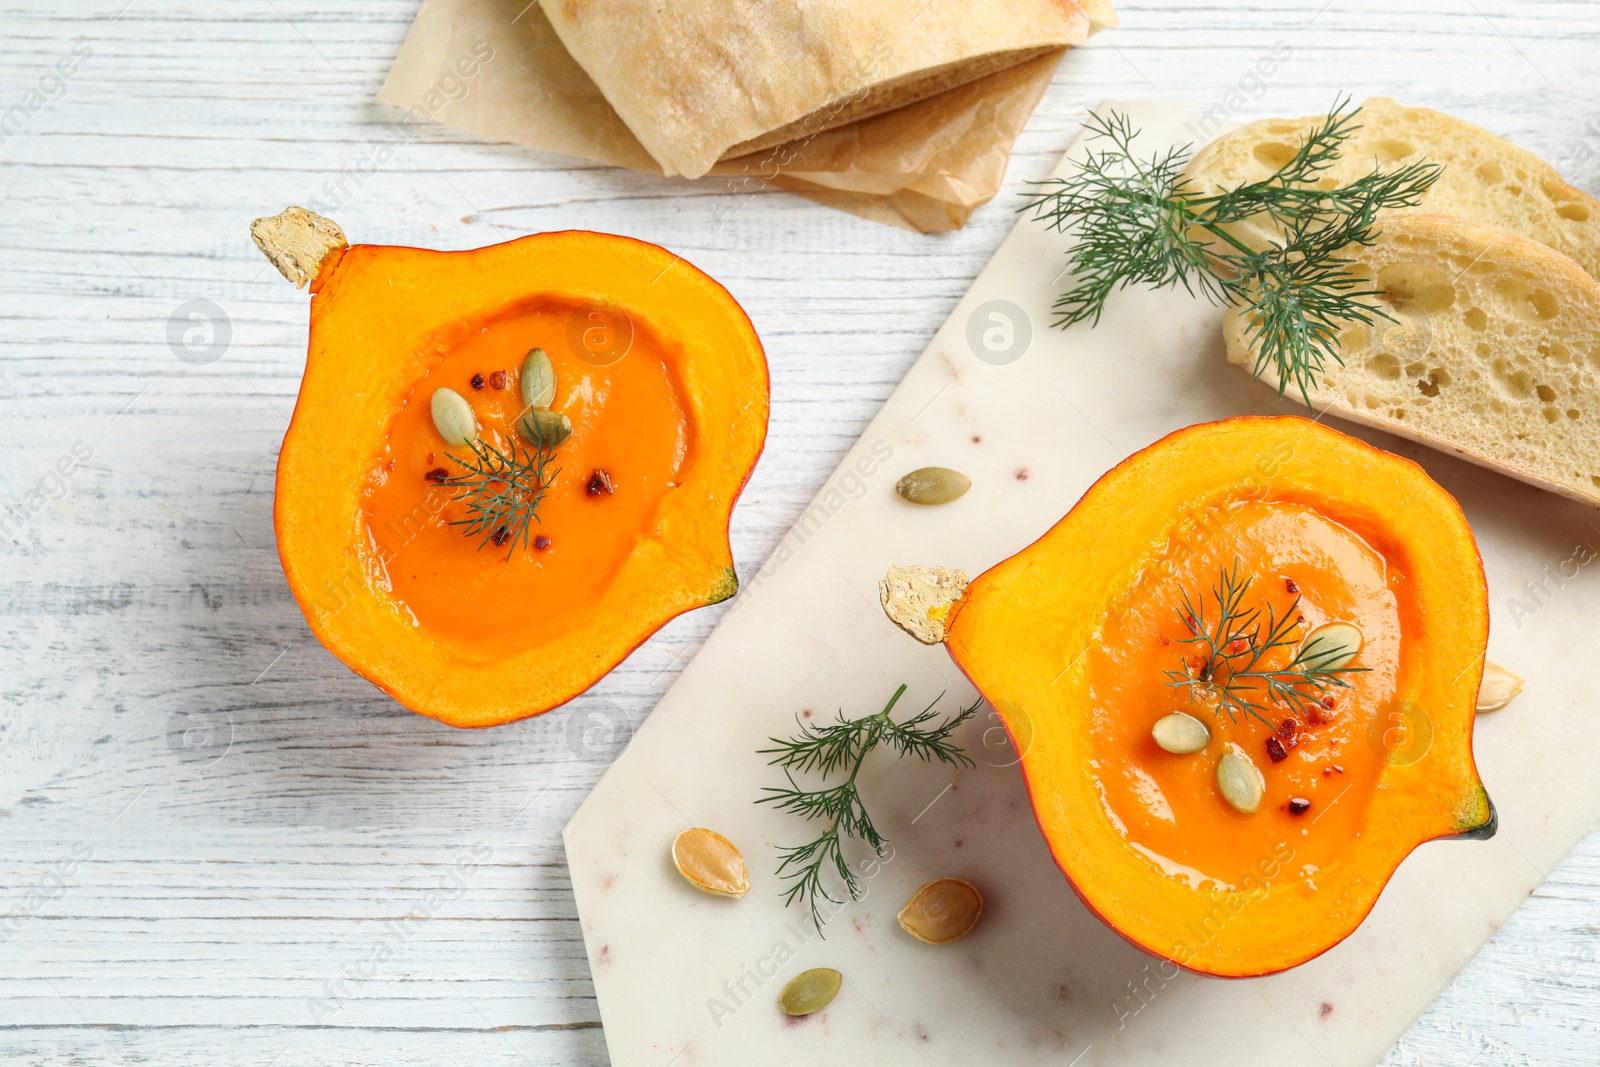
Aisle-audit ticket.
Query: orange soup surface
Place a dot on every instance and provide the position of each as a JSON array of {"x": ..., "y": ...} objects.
[
  {"x": 1170, "y": 807},
  {"x": 629, "y": 422}
]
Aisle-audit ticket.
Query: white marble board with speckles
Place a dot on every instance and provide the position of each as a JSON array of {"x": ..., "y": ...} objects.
[{"x": 1034, "y": 415}]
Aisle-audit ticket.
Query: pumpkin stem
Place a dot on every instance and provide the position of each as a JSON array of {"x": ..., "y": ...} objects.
[
  {"x": 297, "y": 242},
  {"x": 921, "y": 600}
]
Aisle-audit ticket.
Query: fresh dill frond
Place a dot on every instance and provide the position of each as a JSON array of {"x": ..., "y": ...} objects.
[
  {"x": 1138, "y": 221},
  {"x": 501, "y": 486},
  {"x": 842, "y": 747},
  {"x": 1234, "y": 644}
]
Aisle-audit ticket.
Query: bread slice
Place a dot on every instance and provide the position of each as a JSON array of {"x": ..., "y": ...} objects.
[
  {"x": 1494, "y": 353},
  {"x": 1486, "y": 178}
]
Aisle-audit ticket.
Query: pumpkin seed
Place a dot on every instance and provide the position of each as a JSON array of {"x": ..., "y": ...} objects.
[
  {"x": 933, "y": 485},
  {"x": 942, "y": 911},
  {"x": 537, "y": 380},
  {"x": 1499, "y": 686},
  {"x": 810, "y": 991},
  {"x": 453, "y": 417},
  {"x": 549, "y": 428},
  {"x": 710, "y": 862},
  {"x": 1240, "y": 781},
  {"x": 1331, "y": 647},
  {"x": 1180, "y": 734}
]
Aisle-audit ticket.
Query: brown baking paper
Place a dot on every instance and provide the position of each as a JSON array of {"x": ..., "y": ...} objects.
[{"x": 496, "y": 68}]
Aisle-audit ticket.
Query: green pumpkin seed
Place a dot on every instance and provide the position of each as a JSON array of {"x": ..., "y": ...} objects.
[
  {"x": 1331, "y": 647},
  {"x": 538, "y": 380},
  {"x": 810, "y": 991},
  {"x": 453, "y": 417},
  {"x": 549, "y": 428},
  {"x": 1180, "y": 734},
  {"x": 933, "y": 485},
  {"x": 1240, "y": 781}
]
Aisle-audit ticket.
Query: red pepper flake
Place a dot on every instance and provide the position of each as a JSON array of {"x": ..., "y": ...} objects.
[
  {"x": 1288, "y": 731},
  {"x": 437, "y": 476},
  {"x": 1276, "y": 750},
  {"x": 497, "y": 380},
  {"x": 429, "y": 459},
  {"x": 501, "y": 536},
  {"x": 1237, "y": 645},
  {"x": 1328, "y": 701},
  {"x": 600, "y": 482},
  {"x": 1163, "y": 640},
  {"x": 541, "y": 542},
  {"x": 1198, "y": 663},
  {"x": 1194, "y": 627},
  {"x": 1326, "y": 771},
  {"x": 1299, "y": 805},
  {"x": 477, "y": 381},
  {"x": 1288, "y": 583}
]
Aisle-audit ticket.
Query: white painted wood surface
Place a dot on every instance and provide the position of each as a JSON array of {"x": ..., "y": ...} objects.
[{"x": 217, "y": 844}]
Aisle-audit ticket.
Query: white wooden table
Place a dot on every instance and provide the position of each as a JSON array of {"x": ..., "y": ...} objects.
[{"x": 217, "y": 845}]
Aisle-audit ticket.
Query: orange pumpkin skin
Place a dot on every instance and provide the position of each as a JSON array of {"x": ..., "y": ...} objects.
[
  {"x": 1020, "y": 629},
  {"x": 377, "y": 318}
]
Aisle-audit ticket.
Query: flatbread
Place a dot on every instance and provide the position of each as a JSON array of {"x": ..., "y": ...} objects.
[{"x": 698, "y": 81}]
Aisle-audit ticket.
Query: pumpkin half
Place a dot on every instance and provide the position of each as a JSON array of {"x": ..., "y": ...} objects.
[
  {"x": 661, "y": 392},
  {"x": 1190, "y": 580}
]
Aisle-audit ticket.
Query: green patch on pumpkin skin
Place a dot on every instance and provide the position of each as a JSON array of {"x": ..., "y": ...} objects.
[
  {"x": 1479, "y": 819},
  {"x": 725, "y": 586}
]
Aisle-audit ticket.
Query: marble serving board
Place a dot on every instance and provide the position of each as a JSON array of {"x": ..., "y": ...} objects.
[{"x": 1034, "y": 415}]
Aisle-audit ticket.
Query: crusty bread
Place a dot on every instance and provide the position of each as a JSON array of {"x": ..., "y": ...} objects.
[
  {"x": 1486, "y": 178},
  {"x": 1494, "y": 354}
]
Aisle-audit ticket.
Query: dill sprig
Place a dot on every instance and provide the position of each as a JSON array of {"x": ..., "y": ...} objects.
[
  {"x": 1236, "y": 642},
  {"x": 501, "y": 486},
  {"x": 843, "y": 746},
  {"x": 1139, "y": 221}
]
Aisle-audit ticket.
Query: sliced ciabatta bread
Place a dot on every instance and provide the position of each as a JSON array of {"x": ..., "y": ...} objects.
[
  {"x": 1486, "y": 178},
  {"x": 1494, "y": 353}
]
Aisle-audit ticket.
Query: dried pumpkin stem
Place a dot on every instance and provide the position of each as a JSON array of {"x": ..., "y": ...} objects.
[
  {"x": 297, "y": 241},
  {"x": 921, "y": 600}
]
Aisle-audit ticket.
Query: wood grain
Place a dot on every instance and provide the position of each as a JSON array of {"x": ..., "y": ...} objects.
[{"x": 207, "y": 824}]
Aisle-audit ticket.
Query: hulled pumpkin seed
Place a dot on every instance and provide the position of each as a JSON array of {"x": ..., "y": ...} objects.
[
  {"x": 1498, "y": 687},
  {"x": 710, "y": 862},
  {"x": 1240, "y": 781},
  {"x": 549, "y": 428},
  {"x": 1180, "y": 734},
  {"x": 933, "y": 485},
  {"x": 810, "y": 991},
  {"x": 453, "y": 417},
  {"x": 942, "y": 911},
  {"x": 1331, "y": 647},
  {"x": 538, "y": 380}
]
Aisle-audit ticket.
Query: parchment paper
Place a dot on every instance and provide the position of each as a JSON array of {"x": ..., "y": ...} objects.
[{"x": 497, "y": 69}]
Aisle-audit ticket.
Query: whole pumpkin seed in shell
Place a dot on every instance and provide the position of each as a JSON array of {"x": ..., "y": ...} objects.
[
  {"x": 810, "y": 991},
  {"x": 1240, "y": 781},
  {"x": 933, "y": 485},
  {"x": 537, "y": 380},
  {"x": 1498, "y": 687},
  {"x": 710, "y": 862},
  {"x": 1180, "y": 734},
  {"x": 1331, "y": 647},
  {"x": 453, "y": 417},
  {"x": 942, "y": 911}
]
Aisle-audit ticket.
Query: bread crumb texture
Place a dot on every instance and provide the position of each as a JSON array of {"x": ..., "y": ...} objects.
[
  {"x": 1486, "y": 178},
  {"x": 1494, "y": 351}
]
